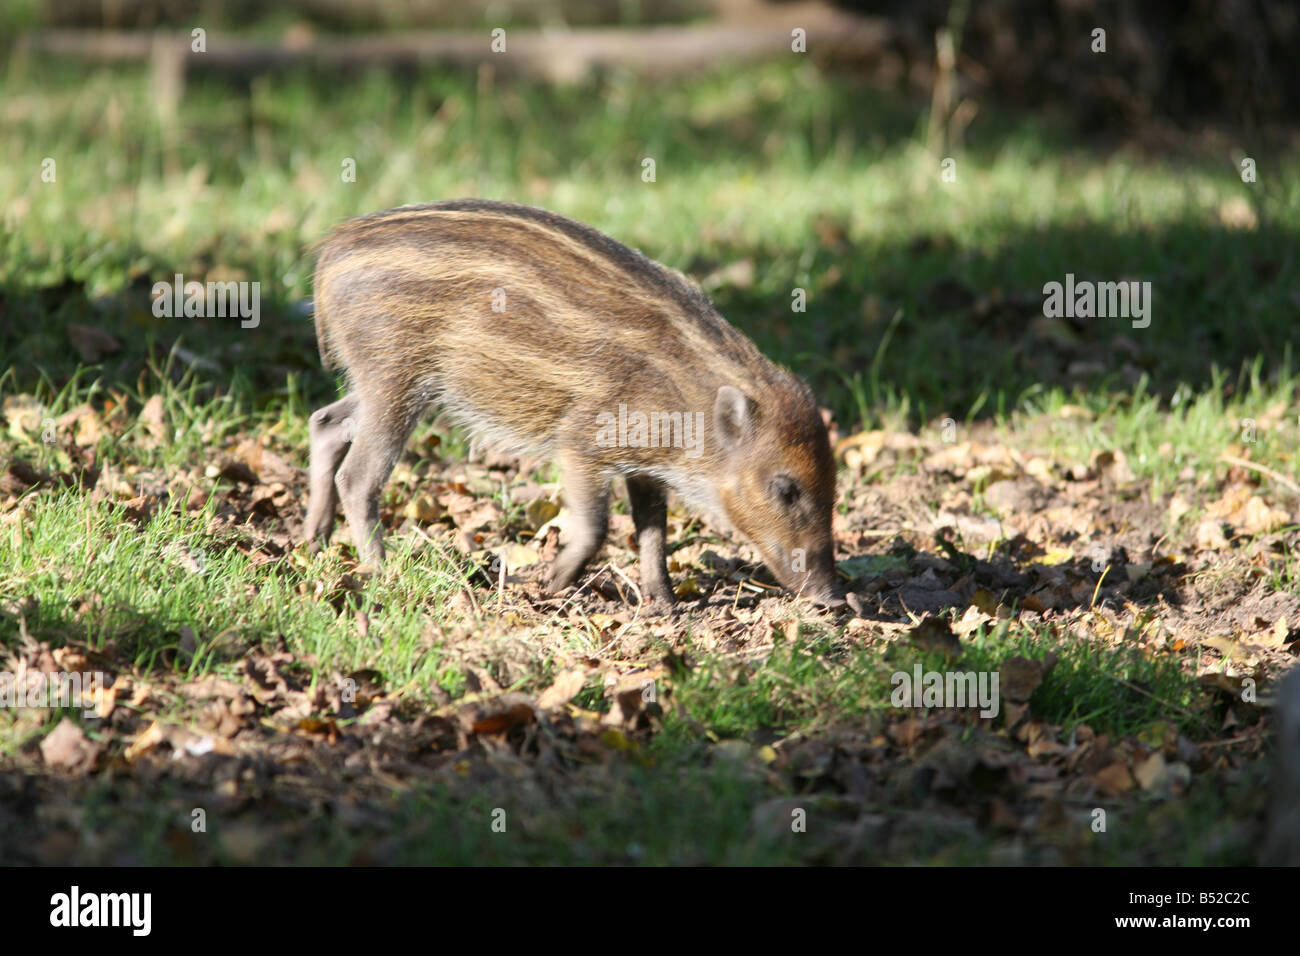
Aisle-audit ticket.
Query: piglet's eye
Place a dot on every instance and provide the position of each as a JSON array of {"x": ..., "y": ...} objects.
[{"x": 785, "y": 490}]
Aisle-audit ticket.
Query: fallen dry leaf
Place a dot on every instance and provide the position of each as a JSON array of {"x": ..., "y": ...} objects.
[
  {"x": 1019, "y": 677},
  {"x": 1112, "y": 467},
  {"x": 498, "y": 721},
  {"x": 24, "y": 415},
  {"x": 151, "y": 418},
  {"x": 1209, "y": 535},
  {"x": 1113, "y": 779},
  {"x": 935, "y": 634},
  {"x": 422, "y": 508},
  {"x": 67, "y": 747},
  {"x": 1152, "y": 773},
  {"x": 265, "y": 464},
  {"x": 146, "y": 741},
  {"x": 469, "y": 513},
  {"x": 566, "y": 686}
]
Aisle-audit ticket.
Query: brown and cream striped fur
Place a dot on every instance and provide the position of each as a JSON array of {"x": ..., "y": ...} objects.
[{"x": 534, "y": 331}]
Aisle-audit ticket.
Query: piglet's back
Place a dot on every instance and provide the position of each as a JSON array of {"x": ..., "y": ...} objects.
[{"x": 515, "y": 319}]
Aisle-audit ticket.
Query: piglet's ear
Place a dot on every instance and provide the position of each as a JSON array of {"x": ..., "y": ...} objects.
[{"x": 733, "y": 417}]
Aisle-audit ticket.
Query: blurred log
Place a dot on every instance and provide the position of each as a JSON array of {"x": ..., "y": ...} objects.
[
  {"x": 352, "y": 15},
  {"x": 555, "y": 55}
]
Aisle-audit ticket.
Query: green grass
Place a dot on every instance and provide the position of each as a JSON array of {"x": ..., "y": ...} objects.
[
  {"x": 924, "y": 301},
  {"x": 1161, "y": 436},
  {"x": 181, "y": 574},
  {"x": 817, "y": 683},
  {"x": 748, "y": 164}
]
